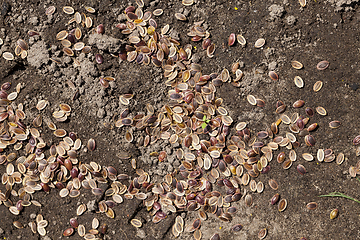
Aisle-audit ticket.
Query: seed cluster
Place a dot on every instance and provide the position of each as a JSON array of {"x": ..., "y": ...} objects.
[{"x": 214, "y": 162}]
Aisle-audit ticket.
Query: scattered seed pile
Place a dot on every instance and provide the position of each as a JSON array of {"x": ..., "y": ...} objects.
[{"x": 216, "y": 165}]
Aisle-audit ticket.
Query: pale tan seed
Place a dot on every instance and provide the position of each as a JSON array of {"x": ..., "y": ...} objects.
[
  {"x": 317, "y": 86},
  {"x": 68, "y": 10}
]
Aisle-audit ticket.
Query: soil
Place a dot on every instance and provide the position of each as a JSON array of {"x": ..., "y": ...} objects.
[{"x": 323, "y": 30}]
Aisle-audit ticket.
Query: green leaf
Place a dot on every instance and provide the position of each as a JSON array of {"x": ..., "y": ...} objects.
[
  {"x": 203, "y": 125},
  {"x": 204, "y": 118},
  {"x": 339, "y": 194}
]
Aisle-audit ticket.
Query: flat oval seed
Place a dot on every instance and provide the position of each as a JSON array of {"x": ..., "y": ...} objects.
[
  {"x": 296, "y": 64},
  {"x": 308, "y": 157},
  {"x": 240, "y": 38},
  {"x": 317, "y": 86},
  {"x": 262, "y": 233},
  {"x": 321, "y": 111},
  {"x": 320, "y": 155},
  {"x": 340, "y": 158},
  {"x": 322, "y": 65},
  {"x": 240, "y": 126},
  {"x": 273, "y": 184},
  {"x": 8, "y": 56},
  {"x": 282, "y": 205},
  {"x": 334, "y": 213},
  {"x": 68, "y": 10},
  {"x": 259, "y": 43},
  {"x": 251, "y": 99},
  {"x": 312, "y": 205},
  {"x": 334, "y": 124},
  {"x": 136, "y": 223},
  {"x": 299, "y": 82}
]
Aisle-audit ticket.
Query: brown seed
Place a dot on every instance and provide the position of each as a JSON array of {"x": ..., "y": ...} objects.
[
  {"x": 298, "y": 104},
  {"x": 231, "y": 39},
  {"x": 248, "y": 200},
  {"x": 334, "y": 213},
  {"x": 91, "y": 144},
  {"x": 22, "y": 44},
  {"x": 273, "y": 184},
  {"x": 18, "y": 224},
  {"x": 68, "y": 232},
  {"x": 273, "y": 75},
  {"x": 312, "y": 205},
  {"x": 322, "y": 65},
  {"x": 282, "y": 205},
  {"x": 275, "y": 199},
  {"x": 301, "y": 169}
]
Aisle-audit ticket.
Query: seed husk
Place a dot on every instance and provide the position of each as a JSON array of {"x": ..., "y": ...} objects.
[
  {"x": 18, "y": 224},
  {"x": 262, "y": 233},
  {"x": 240, "y": 38},
  {"x": 81, "y": 209},
  {"x": 299, "y": 82},
  {"x": 282, "y": 205},
  {"x": 187, "y": 2},
  {"x": 251, "y": 99},
  {"x": 334, "y": 124},
  {"x": 68, "y": 10},
  {"x": 158, "y": 12},
  {"x": 312, "y": 205},
  {"x": 302, "y": 3},
  {"x": 273, "y": 184},
  {"x": 340, "y": 158},
  {"x": 136, "y": 223},
  {"x": 90, "y": 9},
  {"x": 296, "y": 64},
  {"x": 320, "y": 155},
  {"x": 259, "y": 43},
  {"x": 8, "y": 56},
  {"x": 308, "y": 157},
  {"x": 180, "y": 16},
  {"x": 334, "y": 213},
  {"x": 317, "y": 86},
  {"x": 50, "y": 10},
  {"x": 322, "y": 65},
  {"x": 240, "y": 126}
]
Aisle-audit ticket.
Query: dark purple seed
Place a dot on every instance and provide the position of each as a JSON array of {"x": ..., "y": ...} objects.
[
  {"x": 356, "y": 140},
  {"x": 74, "y": 172},
  {"x": 216, "y": 236},
  {"x": 104, "y": 228},
  {"x": 275, "y": 199},
  {"x": 101, "y": 29},
  {"x": 6, "y": 86},
  {"x": 71, "y": 38},
  {"x": 99, "y": 58},
  {"x": 74, "y": 223},
  {"x": 3, "y": 94},
  {"x": 19, "y": 205},
  {"x": 309, "y": 111},
  {"x": 266, "y": 169},
  {"x": 301, "y": 169},
  {"x": 300, "y": 124},
  {"x": 45, "y": 187}
]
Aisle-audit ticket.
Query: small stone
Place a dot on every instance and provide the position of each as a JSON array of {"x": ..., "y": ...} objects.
[
  {"x": 91, "y": 205},
  {"x": 272, "y": 66},
  {"x": 291, "y": 20}
]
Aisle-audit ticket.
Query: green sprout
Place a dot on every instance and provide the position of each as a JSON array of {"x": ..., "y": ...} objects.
[
  {"x": 339, "y": 194},
  {"x": 206, "y": 121}
]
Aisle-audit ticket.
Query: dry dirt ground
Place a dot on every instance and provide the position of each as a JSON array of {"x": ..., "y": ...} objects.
[{"x": 323, "y": 30}]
